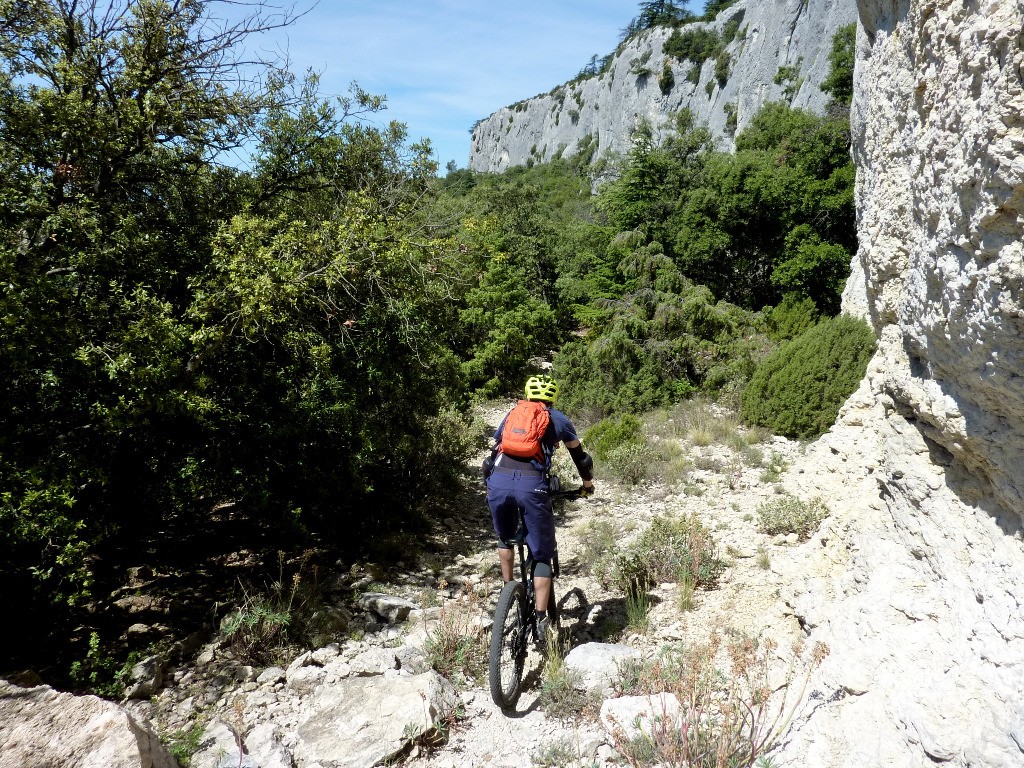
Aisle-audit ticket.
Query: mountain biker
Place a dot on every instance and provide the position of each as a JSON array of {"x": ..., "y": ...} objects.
[{"x": 522, "y": 483}]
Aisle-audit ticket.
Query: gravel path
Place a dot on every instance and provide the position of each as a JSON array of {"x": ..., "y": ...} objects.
[
  {"x": 724, "y": 491},
  {"x": 707, "y": 467}
]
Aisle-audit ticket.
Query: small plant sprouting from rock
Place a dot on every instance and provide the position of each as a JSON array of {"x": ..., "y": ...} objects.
[
  {"x": 789, "y": 78},
  {"x": 638, "y": 612},
  {"x": 789, "y": 514},
  {"x": 730, "y": 117},
  {"x": 776, "y": 466},
  {"x": 185, "y": 743},
  {"x": 561, "y": 695},
  {"x": 456, "y": 648},
  {"x": 265, "y": 622}
]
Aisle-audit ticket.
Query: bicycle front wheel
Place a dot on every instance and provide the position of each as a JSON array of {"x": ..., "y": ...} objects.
[{"x": 509, "y": 638}]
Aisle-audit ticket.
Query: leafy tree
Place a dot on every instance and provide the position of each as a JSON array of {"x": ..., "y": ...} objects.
[
  {"x": 703, "y": 234},
  {"x": 657, "y": 13},
  {"x": 533, "y": 260},
  {"x": 774, "y": 217},
  {"x": 111, "y": 117},
  {"x": 647, "y": 189},
  {"x": 178, "y": 334},
  {"x": 839, "y": 82},
  {"x": 663, "y": 340},
  {"x": 654, "y": 13},
  {"x": 505, "y": 321}
]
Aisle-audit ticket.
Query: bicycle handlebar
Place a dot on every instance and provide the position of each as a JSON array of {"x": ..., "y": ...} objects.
[
  {"x": 556, "y": 490},
  {"x": 570, "y": 494}
]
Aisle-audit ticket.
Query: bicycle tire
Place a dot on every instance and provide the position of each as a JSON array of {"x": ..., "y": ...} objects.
[{"x": 509, "y": 639}]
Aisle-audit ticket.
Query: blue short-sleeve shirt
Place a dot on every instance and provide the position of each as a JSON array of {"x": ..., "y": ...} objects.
[{"x": 560, "y": 430}]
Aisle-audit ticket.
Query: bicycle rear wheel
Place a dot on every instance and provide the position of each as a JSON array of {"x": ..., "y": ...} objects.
[{"x": 509, "y": 638}]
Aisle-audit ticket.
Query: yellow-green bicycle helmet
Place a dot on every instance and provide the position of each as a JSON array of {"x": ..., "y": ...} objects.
[{"x": 541, "y": 388}]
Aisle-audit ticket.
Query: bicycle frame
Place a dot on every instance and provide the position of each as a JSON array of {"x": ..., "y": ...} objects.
[{"x": 515, "y": 620}]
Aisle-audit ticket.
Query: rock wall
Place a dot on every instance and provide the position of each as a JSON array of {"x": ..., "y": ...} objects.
[
  {"x": 917, "y": 581},
  {"x": 602, "y": 112}
]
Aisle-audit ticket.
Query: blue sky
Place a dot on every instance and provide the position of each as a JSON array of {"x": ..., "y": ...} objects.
[{"x": 444, "y": 64}]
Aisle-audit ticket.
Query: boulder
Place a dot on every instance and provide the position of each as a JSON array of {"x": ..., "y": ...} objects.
[
  {"x": 389, "y": 608},
  {"x": 362, "y": 721},
  {"x": 146, "y": 677},
  {"x": 596, "y": 665},
  {"x": 43, "y": 728},
  {"x": 221, "y": 747}
]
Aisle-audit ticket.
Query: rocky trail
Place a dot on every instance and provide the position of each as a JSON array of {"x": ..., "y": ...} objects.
[{"x": 373, "y": 694}]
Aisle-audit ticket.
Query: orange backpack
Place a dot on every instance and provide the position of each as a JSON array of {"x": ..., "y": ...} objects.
[{"x": 524, "y": 428}]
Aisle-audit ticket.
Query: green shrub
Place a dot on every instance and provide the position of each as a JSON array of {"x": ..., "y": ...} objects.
[
  {"x": 613, "y": 433},
  {"x": 679, "y": 550},
  {"x": 793, "y": 315},
  {"x": 731, "y": 29},
  {"x": 731, "y": 117},
  {"x": 722, "y": 62},
  {"x": 632, "y": 462},
  {"x": 667, "y": 80},
  {"x": 696, "y": 45},
  {"x": 183, "y": 744},
  {"x": 789, "y": 78},
  {"x": 839, "y": 82},
  {"x": 798, "y": 389},
  {"x": 788, "y": 514}
]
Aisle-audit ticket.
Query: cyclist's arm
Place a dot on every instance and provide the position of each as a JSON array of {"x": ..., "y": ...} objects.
[{"x": 584, "y": 463}]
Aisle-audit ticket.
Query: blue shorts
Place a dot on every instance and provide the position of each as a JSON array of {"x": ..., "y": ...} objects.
[{"x": 506, "y": 495}]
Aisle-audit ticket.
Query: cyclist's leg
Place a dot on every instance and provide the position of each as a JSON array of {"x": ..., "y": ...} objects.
[
  {"x": 542, "y": 586},
  {"x": 540, "y": 538},
  {"x": 507, "y": 561},
  {"x": 501, "y": 499}
]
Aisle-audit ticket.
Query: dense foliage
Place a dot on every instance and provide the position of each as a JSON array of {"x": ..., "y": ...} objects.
[
  {"x": 180, "y": 336},
  {"x": 798, "y": 389}
]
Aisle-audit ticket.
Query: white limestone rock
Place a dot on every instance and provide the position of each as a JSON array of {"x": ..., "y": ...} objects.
[
  {"x": 42, "y": 728},
  {"x": 362, "y": 721},
  {"x": 597, "y": 665}
]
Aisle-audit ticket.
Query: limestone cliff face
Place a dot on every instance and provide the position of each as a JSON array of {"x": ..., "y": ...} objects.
[
  {"x": 600, "y": 113},
  {"x": 917, "y": 582}
]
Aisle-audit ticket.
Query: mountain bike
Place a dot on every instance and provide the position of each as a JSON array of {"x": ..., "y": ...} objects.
[{"x": 515, "y": 621}]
